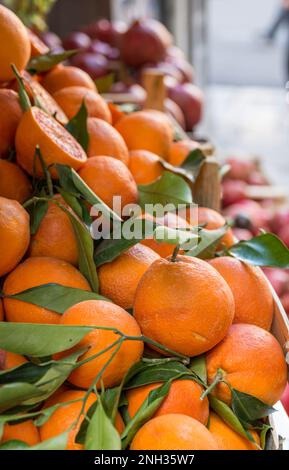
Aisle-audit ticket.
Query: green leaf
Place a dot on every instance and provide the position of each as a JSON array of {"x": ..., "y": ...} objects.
[
  {"x": 85, "y": 250},
  {"x": 55, "y": 443},
  {"x": 70, "y": 181},
  {"x": 145, "y": 412},
  {"x": 264, "y": 250},
  {"x": 104, "y": 84},
  {"x": 265, "y": 429},
  {"x": 41, "y": 387},
  {"x": 108, "y": 250},
  {"x": 37, "y": 212},
  {"x": 168, "y": 189},
  {"x": 45, "y": 62},
  {"x": 101, "y": 434},
  {"x": 228, "y": 416},
  {"x": 210, "y": 239},
  {"x": 248, "y": 408},
  {"x": 199, "y": 367},
  {"x": 77, "y": 126},
  {"x": 55, "y": 297},
  {"x": 23, "y": 96},
  {"x": 14, "y": 445},
  {"x": 194, "y": 162},
  {"x": 72, "y": 201},
  {"x": 33, "y": 339},
  {"x": 160, "y": 370},
  {"x": 175, "y": 236}
]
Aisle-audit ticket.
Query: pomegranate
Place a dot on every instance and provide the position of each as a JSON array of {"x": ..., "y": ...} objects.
[
  {"x": 76, "y": 40},
  {"x": 284, "y": 234},
  {"x": 191, "y": 101},
  {"x": 242, "y": 233},
  {"x": 95, "y": 65},
  {"x": 184, "y": 68},
  {"x": 172, "y": 108},
  {"x": 240, "y": 169},
  {"x": 279, "y": 220},
  {"x": 144, "y": 42},
  {"x": 106, "y": 31},
  {"x": 233, "y": 191},
  {"x": 285, "y": 399},
  {"x": 250, "y": 215},
  {"x": 279, "y": 279}
]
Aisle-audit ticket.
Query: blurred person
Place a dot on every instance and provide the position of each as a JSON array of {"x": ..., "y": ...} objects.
[{"x": 281, "y": 19}]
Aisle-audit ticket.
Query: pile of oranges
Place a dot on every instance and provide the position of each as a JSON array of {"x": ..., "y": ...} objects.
[{"x": 155, "y": 308}]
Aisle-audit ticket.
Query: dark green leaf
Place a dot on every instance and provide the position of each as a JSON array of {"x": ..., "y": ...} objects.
[
  {"x": 108, "y": 250},
  {"x": 77, "y": 127},
  {"x": 210, "y": 239},
  {"x": 33, "y": 339},
  {"x": 45, "y": 62},
  {"x": 16, "y": 393},
  {"x": 55, "y": 297},
  {"x": 174, "y": 236},
  {"x": 72, "y": 201},
  {"x": 194, "y": 162},
  {"x": 266, "y": 428},
  {"x": 265, "y": 250},
  {"x": 227, "y": 415},
  {"x": 37, "y": 212},
  {"x": 145, "y": 412},
  {"x": 199, "y": 367},
  {"x": 168, "y": 189},
  {"x": 55, "y": 443},
  {"x": 248, "y": 408},
  {"x": 104, "y": 84},
  {"x": 14, "y": 445},
  {"x": 155, "y": 371},
  {"x": 101, "y": 433},
  {"x": 81, "y": 435},
  {"x": 27, "y": 373},
  {"x": 23, "y": 96}
]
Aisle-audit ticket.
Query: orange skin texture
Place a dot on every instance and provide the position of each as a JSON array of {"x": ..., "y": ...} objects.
[
  {"x": 1, "y": 311},
  {"x": 252, "y": 362},
  {"x": 227, "y": 438},
  {"x": 119, "y": 279},
  {"x": 26, "y": 432},
  {"x": 55, "y": 236},
  {"x": 61, "y": 420},
  {"x": 251, "y": 291},
  {"x": 9, "y": 360},
  {"x": 66, "y": 76},
  {"x": 14, "y": 234},
  {"x": 147, "y": 130},
  {"x": 173, "y": 432},
  {"x": 15, "y": 44},
  {"x": 211, "y": 220},
  {"x": 183, "y": 398},
  {"x": 10, "y": 115},
  {"x": 105, "y": 140},
  {"x": 183, "y": 305},
  {"x": 170, "y": 220},
  {"x": 116, "y": 113},
  {"x": 109, "y": 177},
  {"x": 38, "y": 47},
  {"x": 71, "y": 98},
  {"x": 180, "y": 150},
  {"x": 55, "y": 143},
  {"x": 105, "y": 314},
  {"x": 145, "y": 166},
  {"x": 14, "y": 183},
  {"x": 36, "y": 272}
]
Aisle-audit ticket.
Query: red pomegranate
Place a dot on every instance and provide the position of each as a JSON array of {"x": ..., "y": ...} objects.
[{"x": 191, "y": 101}]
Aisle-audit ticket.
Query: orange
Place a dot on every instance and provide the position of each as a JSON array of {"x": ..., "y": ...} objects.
[
  {"x": 180, "y": 150},
  {"x": 71, "y": 98},
  {"x": 55, "y": 236},
  {"x": 119, "y": 279},
  {"x": 170, "y": 220},
  {"x": 184, "y": 305},
  {"x": 173, "y": 432},
  {"x": 15, "y": 44},
  {"x": 145, "y": 166},
  {"x": 109, "y": 177},
  {"x": 252, "y": 361},
  {"x": 105, "y": 314},
  {"x": 183, "y": 398},
  {"x": 36, "y": 272},
  {"x": 25, "y": 431},
  {"x": 64, "y": 417},
  {"x": 55, "y": 142},
  {"x": 105, "y": 140},
  {"x": 116, "y": 113},
  {"x": 14, "y": 183},
  {"x": 227, "y": 438},
  {"x": 147, "y": 130},
  {"x": 37, "y": 46},
  {"x": 14, "y": 234},
  {"x": 251, "y": 291},
  {"x": 9, "y": 360},
  {"x": 10, "y": 115},
  {"x": 66, "y": 76},
  {"x": 40, "y": 97}
]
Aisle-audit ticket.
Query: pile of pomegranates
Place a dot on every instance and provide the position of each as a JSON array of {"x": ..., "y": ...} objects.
[{"x": 110, "y": 46}]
